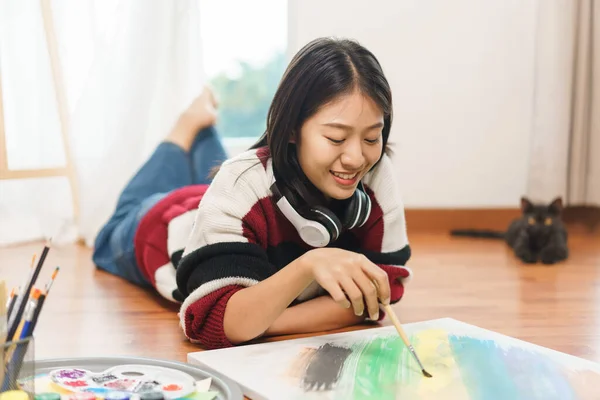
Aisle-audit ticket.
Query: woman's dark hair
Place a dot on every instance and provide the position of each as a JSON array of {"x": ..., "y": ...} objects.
[{"x": 321, "y": 71}]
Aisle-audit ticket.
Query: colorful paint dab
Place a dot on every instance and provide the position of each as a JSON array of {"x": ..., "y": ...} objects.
[{"x": 464, "y": 368}]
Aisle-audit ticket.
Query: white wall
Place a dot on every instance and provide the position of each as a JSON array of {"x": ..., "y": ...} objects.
[{"x": 462, "y": 78}]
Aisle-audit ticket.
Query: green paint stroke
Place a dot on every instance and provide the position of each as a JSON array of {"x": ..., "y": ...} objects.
[{"x": 379, "y": 369}]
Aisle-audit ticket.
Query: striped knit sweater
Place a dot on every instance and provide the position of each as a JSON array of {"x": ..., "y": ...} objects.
[{"x": 201, "y": 244}]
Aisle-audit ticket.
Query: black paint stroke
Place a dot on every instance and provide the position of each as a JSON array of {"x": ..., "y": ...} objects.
[{"x": 324, "y": 368}]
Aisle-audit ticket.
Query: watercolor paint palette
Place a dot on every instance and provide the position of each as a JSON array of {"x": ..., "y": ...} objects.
[
  {"x": 131, "y": 378},
  {"x": 467, "y": 362},
  {"x": 132, "y": 375}
]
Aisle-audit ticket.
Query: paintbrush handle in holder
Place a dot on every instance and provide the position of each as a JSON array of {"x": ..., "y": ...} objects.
[{"x": 18, "y": 364}]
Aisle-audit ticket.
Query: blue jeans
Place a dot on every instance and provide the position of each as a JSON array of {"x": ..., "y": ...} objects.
[{"x": 168, "y": 168}]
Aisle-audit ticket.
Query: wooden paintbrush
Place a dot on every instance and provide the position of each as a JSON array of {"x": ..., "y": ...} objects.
[{"x": 396, "y": 322}]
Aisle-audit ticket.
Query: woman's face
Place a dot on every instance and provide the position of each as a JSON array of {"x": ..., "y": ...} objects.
[{"x": 340, "y": 143}]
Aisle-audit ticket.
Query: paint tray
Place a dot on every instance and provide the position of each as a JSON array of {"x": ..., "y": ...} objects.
[{"x": 71, "y": 375}]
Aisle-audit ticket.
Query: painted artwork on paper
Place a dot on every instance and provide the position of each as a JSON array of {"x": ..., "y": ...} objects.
[{"x": 466, "y": 362}]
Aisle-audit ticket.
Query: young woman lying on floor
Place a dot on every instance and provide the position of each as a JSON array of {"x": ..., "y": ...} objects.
[{"x": 304, "y": 232}]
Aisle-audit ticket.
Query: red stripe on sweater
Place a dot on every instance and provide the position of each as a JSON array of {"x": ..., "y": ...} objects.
[
  {"x": 263, "y": 154},
  {"x": 371, "y": 233},
  {"x": 266, "y": 226},
  {"x": 150, "y": 241},
  {"x": 204, "y": 318},
  {"x": 395, "y": 275},
  {"x": 371, "y": 236}
]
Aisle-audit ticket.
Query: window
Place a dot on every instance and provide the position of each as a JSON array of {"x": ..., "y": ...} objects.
[{"x": 244, "y": 45}]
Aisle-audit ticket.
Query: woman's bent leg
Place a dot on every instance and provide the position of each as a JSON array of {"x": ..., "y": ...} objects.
[
  {"x": 207, "y": 152},
  {"x": 168, "y": 168}
]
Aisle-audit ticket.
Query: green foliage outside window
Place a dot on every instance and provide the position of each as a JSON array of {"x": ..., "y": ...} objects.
[{"x": 244, "y": 101}]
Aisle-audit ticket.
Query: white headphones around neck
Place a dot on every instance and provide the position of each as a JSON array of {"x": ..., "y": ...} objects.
[{"x": 317, "y": 225}]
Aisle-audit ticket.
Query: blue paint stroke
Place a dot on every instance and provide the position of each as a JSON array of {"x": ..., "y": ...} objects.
[
  {"x": 537, "y": 376},
  {"x": 482, "y": 368},
  {"x": 491, "y": 372}
]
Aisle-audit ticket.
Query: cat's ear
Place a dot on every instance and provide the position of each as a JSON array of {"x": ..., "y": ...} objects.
[
  {"x": 556, "y": 206},
  {"x": 526, "y": 205}
]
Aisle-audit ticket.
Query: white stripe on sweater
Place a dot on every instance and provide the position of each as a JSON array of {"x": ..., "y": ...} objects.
[
  {"x": 179, "y": 231},
  {"x": 165, "y": 281},
  {"x": 384, "y": 184},
  {"x": 241, "y": 182}
]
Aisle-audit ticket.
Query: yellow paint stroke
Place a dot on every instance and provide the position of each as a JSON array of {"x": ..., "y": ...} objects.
[
  {"x": 433, "y": 348},
  {"x": 43, "y": 384}
]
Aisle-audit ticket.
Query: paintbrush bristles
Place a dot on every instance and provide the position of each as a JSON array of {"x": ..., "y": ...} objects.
[{"x": 398, "y": 326}]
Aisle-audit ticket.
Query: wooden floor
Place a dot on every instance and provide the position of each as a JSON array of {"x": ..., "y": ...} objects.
[{"x": 90, "y": 313}]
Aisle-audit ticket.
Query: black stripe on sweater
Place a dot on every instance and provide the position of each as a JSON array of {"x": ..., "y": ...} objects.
[
  {"x": 176, "y": 258},
  {"x": 399, "y": 257},
  {"x": 222, "y": 260}
]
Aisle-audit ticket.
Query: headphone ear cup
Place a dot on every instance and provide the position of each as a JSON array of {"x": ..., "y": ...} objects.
[
  {"x": 366, "y": 210},
  {"x": 349, "y": 219},
  {"x": 358, "y": 210},
  {"x": 314, "y": 233},
  {"x": 328, "y": 219}
]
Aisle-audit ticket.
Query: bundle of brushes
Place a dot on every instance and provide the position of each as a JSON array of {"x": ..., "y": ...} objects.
[{"x": 19, "y": 316}]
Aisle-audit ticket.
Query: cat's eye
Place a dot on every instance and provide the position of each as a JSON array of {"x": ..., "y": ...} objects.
[
  {"x": 531, "y": 221},
  {"x": 548, "y": 221}
]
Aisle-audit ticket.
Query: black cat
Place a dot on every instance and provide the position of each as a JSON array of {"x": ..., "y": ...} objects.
[{"x": 539, "y": 234}]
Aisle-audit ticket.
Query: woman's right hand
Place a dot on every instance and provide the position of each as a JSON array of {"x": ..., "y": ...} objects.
[{"x": 349, "y": 276}]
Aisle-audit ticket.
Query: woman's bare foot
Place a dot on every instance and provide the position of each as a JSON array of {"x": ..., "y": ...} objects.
[
  {"x": 203, "y": 110},
  {"x": 200, "y": 114}
]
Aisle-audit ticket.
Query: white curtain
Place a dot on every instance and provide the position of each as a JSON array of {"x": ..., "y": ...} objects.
[
  {"x": 129, "y": 68},
  {"x": 565, "y": 147}
]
